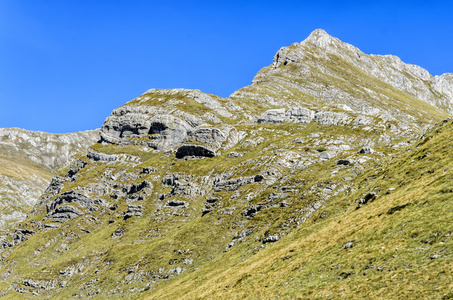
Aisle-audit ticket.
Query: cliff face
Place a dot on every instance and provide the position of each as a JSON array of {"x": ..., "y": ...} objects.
[
  {"x": 205, "y": 190},
  {"x": 29, "y": 159}
]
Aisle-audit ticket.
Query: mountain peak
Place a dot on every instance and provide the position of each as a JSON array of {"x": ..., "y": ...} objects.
[
  {"x": 320, "y": 38},
  {"x": 319, "y": 32}
]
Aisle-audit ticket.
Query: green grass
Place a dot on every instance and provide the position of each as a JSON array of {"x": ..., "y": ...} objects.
[
  {"x": 396, "y": 236},
  {"x": 309, "y": 256}
]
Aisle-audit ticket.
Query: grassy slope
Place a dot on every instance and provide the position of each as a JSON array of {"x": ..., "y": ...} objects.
[
  {"x": 23, "y": 172},
  {"x": 402, "y": 242},
  {"x": 312, "y": 255},
  {"x": 140, "y": 245}
]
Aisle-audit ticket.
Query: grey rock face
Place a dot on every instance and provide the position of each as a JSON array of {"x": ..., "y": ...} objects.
[
  {"x": 69, "y": 197},
  {"x": 164, "y": 131},
  {"x": 95, "y": 156},
  {"x": 171, "y": 179},
  {"x": 133, "y": 210},
  {"x": 271, "y": 239},
  {"x": 327, "y": 155},
  {"x": 19, "y": 235},
  {"x": 304, "y": 116},
  {"x": 135, "y": 188},
  {"x": 252, "y": 211},
  {"x": 55, "y": 185},
  {"x": 273, "y": 116},
  {"x": 212, "y": 137},
  {"x": 167, "y": 131},
  {"x": 332, "y": 118},
  {"x": 232, "y": 184},
  {"x": 301, "y": 115},
  {"x": 53, "y": 151},
  {"x": 63, "y": 213},
  {"x": 367, "y": 199},
  {"x": 75, "y": 167},
  {"x": 144, "y": 121}
]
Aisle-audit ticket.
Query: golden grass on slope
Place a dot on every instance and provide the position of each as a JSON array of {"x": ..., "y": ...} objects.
[
  {"x": 20, "y": 168},
  {"x": 401, "y": 243}
]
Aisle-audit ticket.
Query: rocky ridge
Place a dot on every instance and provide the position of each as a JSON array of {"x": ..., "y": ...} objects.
[
  {"x": 324, "y": 74},
  {"x": 182, "y": 182}
]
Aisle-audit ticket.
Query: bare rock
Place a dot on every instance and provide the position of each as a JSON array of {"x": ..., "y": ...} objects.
[
  {"x": 366, "y": 150},
  {"x": 273, "y": 116},
  {"x": 63, "y": 213}
]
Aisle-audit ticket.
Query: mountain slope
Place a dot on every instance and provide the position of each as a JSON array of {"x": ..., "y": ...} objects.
[
  {"x": 29, "y": 159},
  {"x": 191, "y": 195},
  {"x": 396, "y": 247}
]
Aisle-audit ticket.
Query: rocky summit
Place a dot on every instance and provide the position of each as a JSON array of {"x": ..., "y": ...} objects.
[{"x": 329, "y": 176}]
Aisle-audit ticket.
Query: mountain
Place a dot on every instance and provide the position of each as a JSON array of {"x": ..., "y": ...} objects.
[
  {"x": 328, "y": 176},
  {"x": 29, "y": 159},
  {"x": 324, "y": 73}
]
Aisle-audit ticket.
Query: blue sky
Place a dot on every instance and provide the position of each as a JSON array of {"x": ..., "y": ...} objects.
[{"x": 65, "y": 65}]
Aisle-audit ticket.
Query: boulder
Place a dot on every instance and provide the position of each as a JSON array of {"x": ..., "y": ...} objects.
[
  {"x": 176, "y": 204},
  {"x": 343, "y": 162},
  {"x": 365, "y": 200},
  {"x": 234, "y": 154},
  {"x": 327, "y": 155},
  {"x": 271, "y": 239},
  {"x": 366, "y": 150}
]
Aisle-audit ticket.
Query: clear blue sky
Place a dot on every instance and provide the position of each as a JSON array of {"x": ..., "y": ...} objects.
[{"x": 65, "y": 64}]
